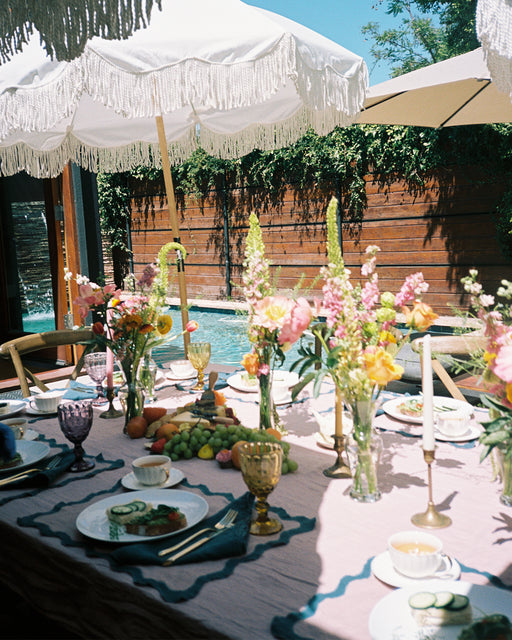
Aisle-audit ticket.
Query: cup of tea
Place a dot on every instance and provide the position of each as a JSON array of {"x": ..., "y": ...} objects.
[
  {"x": 47, "y": 401},
  {"x": 182, "y": 368},
  {"x": 151, "y": 470},
  {"x": 453, "y": 423},
  {"x": 415, "y": 554},
  {"x": 17, "y": 425}
]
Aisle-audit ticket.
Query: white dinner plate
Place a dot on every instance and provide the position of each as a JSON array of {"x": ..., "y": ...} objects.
[
  {"x": 391, "y": 618},
  {"x": 473, "y": 432},
  {"x": 31, "y": 452},
  {"x": 383, "y": 569},
  {"x": 93, "y": 521},
  {"x": 15, "y": 406},
  {"x": 129, "y": 481},
  {"x": 237, "y": 382},
  {"x": 392, "y": 407}
]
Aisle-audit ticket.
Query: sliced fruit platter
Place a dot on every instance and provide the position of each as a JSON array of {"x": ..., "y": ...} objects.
[{"x": 206, "y": 429}]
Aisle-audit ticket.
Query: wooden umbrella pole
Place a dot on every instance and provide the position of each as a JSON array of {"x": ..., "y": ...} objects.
[{"x": 169, "y": 188}]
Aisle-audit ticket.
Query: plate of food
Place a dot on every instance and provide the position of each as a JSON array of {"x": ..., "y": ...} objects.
[
  {"x": 9, "y": 408},
  {"x": 416, "y": 612},
  {"x": 142, "y": 515},
  {"x": 410, "y": 408},
  {"x": 30, "y": 451}
]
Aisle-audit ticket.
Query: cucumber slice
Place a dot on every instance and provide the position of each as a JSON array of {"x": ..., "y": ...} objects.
[
  {"x": 459, "y": 603},
  {"x": 422, "y": 600},
  {"x": 122, "y": 509},
  {"x": 138, "y": 505},
  {"x": 443, "y": 599}
]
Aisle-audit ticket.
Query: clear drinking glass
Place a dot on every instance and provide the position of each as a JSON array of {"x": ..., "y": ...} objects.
[
  {"x": 96, "y": 366},
  {"x": 199, "y": 355},
  {"x": 75, "y": 421}
]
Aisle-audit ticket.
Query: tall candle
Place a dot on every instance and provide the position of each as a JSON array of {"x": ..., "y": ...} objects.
[
  {"x": 110, "y": 355},
  {"x": 428, "y": 396},
  {"x": 338, "y": 414},
  {"x": 110, "y": 369}
]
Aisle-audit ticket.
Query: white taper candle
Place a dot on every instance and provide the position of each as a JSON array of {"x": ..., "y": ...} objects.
[{"x": 428, "y": 396}]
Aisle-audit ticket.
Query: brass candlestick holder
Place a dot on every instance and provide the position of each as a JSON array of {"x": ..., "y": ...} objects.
[
  {"x": 340, "y": 468},
  {"x": 111, "y": 412},
  {"x": 431, "y": 518}
]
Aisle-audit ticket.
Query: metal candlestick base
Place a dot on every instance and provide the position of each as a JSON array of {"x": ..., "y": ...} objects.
[
  {"x": 339, "y": 469},
  {"x": 430, "y": 519},
  {"x": 111, "y": 412}
]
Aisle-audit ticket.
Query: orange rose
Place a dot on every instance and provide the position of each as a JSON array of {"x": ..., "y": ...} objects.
[
  {"x": 380, "y": 366},
  {"x": 251, "y": 363},
  {"x": 421, "y": 317}
]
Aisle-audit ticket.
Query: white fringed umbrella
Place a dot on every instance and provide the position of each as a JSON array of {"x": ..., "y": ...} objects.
[
  {"x": 494, "y": 30},
  {"x": 223, "y": 75}
]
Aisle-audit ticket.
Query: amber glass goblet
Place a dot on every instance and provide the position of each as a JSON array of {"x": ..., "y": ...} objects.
[
  {"x": 199, "y": 355},
  {"x": 261, "y": 469}
]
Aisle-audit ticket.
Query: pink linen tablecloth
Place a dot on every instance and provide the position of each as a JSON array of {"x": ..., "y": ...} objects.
[{"x": 319, "y": 585}]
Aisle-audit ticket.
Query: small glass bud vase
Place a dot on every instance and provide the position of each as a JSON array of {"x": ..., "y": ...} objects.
[
  {"x": 364, "y": 447},
  {"x": 146, "y": 376},
  {"x": 506, "y": 476},
  {"x": 131, "y": 397}
]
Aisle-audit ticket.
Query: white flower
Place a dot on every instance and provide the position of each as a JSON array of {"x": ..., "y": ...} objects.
[{"x": 486, "y": 300}]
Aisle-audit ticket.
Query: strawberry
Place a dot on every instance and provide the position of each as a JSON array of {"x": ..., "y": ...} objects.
[{"x": 158, "y": 446}]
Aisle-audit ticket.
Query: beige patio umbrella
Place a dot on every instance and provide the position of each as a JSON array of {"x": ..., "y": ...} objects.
[
  {"x": 223, "y": 75},
  {"x": 454, "y": 92},
  {"x": 494, "y": 30}
]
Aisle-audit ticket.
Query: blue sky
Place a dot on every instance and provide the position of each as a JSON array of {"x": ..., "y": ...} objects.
[{"x": 339, "y": 20}]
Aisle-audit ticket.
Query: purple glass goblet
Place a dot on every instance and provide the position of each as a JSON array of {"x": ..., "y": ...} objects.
[{"x": 75, "y": 421}]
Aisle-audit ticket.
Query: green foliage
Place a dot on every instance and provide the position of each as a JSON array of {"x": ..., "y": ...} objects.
[
  {"x": 113, "y": 202},
  {"x": 429, "y": 31}
]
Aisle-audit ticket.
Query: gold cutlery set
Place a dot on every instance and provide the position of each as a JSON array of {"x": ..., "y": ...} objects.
[{"x": 53, "y": 464}]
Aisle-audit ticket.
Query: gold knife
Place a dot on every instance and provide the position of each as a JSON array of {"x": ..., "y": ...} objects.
[{"x": 194, "y": 545}]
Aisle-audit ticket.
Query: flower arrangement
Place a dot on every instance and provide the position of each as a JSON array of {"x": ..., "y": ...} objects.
[
  {"x": 275, "y": 321},
  {"x": 494, "y": 364},
  {"x": 130, "y": 325},
  {"x": 360, "y": 340}
]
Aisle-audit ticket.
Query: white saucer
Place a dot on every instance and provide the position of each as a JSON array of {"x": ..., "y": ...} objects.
[
  {"x": 170, "y": 376},
  {"x": 324, "y": 441},
  {"x": 130, "y": 482},
  {"x": 472, "y": 433},
  {"x": 382, "y": 568},
  {"x": 32, "y": 411}
]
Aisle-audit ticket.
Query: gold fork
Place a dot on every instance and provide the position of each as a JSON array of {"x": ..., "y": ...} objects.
[
  {"x": 22, "y": 474},
  {"x": 221, "y": 524}
]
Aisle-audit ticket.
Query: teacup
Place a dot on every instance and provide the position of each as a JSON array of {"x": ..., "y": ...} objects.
[
  {"x": 281, "y": 390},
  {"x": 182, "y": 368},
  {"x": 151, "y": 470},
  {"x": 453, "y": 423},
  {"x": 47, "y": 401},
  {"x": 18, "y": 426},
  {"x": 415, "y": 554}
]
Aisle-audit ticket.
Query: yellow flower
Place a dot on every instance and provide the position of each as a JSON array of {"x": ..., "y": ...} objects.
[
  {"x": 489, "y": 357},
  {"x": 164, "y": 324},
  {"x": 386, "y": 337},
  {"x": 251, "y": 363},
  {"x": 508, "y": 389},
  {"x": 131, "y": 321},
  {"x": 380, "y": 366},
  {"x": 421, "y": 317}
]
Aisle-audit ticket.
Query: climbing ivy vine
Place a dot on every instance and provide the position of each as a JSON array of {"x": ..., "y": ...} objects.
[{"x": 343, "y": 157}]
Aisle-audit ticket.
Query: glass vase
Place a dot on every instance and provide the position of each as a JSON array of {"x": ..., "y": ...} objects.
[
  {"x": 131, "y": 396},
  {"x": 266, "y": 401},
  {"x": 506, "y": 476},
  {"x": 364, "y": 447},
  {"x": 146, "y": 376}
]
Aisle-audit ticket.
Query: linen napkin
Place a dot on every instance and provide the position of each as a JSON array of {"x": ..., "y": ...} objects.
[
  {"x": 43, "y": 477},
  {"x": 220, "y": 384},
  {"x": 233, "y": 542},
  {"x": 79, "y": 391}
]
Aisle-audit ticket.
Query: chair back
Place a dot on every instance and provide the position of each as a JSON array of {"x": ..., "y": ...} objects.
[{"x": 19, "y": 347}]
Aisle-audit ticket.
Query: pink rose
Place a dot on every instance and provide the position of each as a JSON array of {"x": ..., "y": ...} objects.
[
  {"x": 297, "y": 322},
  {"x": 503, "y": 364}
]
